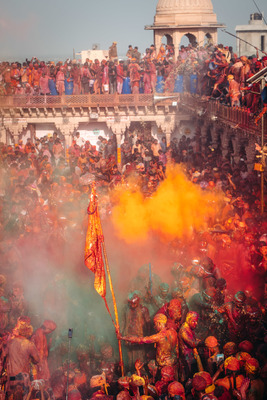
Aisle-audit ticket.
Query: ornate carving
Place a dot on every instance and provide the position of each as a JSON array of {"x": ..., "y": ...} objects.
[
  {"x": 15, "y": 126},
  {"x": 117, "y": 125},
  {"x": 166, "y": 124},
  {"x": 67, "y": 128}
]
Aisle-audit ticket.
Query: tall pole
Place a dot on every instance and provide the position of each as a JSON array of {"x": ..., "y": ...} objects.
[
  {"x": 263, "y": 155},
  {"x": 114, "y": 302},
  {"x": 68, "y": 368}
]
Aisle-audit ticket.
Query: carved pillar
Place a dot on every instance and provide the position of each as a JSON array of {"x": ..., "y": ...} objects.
[
  {"x": 200, "y": 37},
  {"x": 3, "y": 134},
  {"x": 250, "y": 153},
  {"x": 236, "y": 147},
  {"x": 177, "y": 37},
  {"x": 167, "y": 125},
  {"x": 118, "y": 127},
  {"x": 203, "y": 136},
  {"x": 32, "y": 129},
  {"x": 157, "y": 38},
  {"x": 214, "y": 135},
  {"x": 67, "y": 130},
  {"x": 15, "y": 128},
  {"x": 225, "y": 142}
]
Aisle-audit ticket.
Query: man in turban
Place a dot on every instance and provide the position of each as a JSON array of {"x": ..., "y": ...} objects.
[
  {"x": 136, "y": 323},
  {"x": 233, "y": 379},
  {"x": 21, "y": 352},
  {"x": 189, "y": 343},
  {"x": 165, "y": 339},
  {"x": 40, "y": 340}
]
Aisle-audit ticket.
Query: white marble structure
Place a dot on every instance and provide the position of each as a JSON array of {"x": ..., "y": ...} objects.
[
  {"x": 254, "y": 33},
  {"x": 176, "y": 18}
]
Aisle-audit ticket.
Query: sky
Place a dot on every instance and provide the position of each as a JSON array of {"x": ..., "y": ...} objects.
[{"x": 52, "y": 29}]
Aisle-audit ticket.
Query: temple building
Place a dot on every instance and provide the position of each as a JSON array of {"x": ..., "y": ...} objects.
[
  {"x": 252, "y": 36},
  {"x": 192, "y": 18}
]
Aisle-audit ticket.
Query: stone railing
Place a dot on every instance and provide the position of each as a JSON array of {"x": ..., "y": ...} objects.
[
  {"x": 83, "y": 100},
  {"x": 237, "y": 117}
]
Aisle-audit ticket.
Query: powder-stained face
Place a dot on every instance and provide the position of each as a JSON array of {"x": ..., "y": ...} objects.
[
  {"x": 263, "y": 251},
  {"x": 193, "y": 323}
]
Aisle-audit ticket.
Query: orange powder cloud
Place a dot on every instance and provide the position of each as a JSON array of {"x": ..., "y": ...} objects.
[{"x": 178, "y": 208}]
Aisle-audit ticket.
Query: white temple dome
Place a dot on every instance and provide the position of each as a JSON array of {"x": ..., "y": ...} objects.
[{"x": 184, "y": 12}]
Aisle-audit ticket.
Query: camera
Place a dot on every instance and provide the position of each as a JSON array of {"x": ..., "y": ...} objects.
[
  {"x": 219, "y": 358},
  {"x": 70, "y": 332}
]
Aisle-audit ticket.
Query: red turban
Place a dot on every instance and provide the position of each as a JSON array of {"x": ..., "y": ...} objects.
[
  {"x": 48, "y": 324},
  {"x": 199, "y": 383},
  {"x": 232, "y": 364},
  {"x": 176, "y": 388}
]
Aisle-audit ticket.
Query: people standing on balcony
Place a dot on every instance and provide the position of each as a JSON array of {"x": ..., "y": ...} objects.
[
  {"x": 68, "y": 80},
  {"x": 36, "y": 74},
  {"x": 113, "y": 52},
  {"x": 183, "y": 53},
  {"x": 6, "y": 74},
  {"x": 136, "y": 54},
  {"x": 52, "y": 85},
  {"x": 161, "y": 54},
  {"x": 14, "y": 76},
  {"x": 134, "y": 70},
  {"x": 85, "y": 78},
  {"x": 23, "y": 75},
  {"x": 76, "y": 73},
  {"x": 98, "y": 76},
  {"x": 147, "y": 77},
  {"x": 112, "y": 75},
  {"x": 44, "y": 84},
  {"x": 234, "y": 91},
  {"x": 221, "y": 72},
  {"x": 60, "y": 77},
  {"x": 143, "y": 75},
  {"x": 129, "y": 53},
  {"x": 120, "y": 76},
  {"x": 105, "y": 77}
]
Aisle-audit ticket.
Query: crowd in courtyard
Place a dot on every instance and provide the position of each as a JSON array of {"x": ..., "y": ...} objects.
[
  {"x": 199, "y": 335},
  {"x": 212, "y": 71}
]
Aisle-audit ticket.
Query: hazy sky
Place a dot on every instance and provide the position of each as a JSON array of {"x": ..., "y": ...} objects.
[{"x": 50, "y": 29}]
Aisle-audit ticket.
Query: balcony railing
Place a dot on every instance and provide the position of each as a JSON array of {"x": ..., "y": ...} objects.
[
  {"x": 83, "y": 100},
  {"x": 237, "y": 117}
]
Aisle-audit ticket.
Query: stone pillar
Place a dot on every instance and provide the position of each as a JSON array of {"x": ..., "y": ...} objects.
[
  {"x": 118, "y": 127},
  {"x": 250, "y": 153},
  {"x": 15, "y": 129},
  {"x": 154, "y": 129},
  {"x": 118, "y": 140},
  {"x": 236, "y": 147},
  {"x": 3, "y": 138},
  {"x": 214, "y": 135},
  {"x": 167, "y": 125},
  {"x": 177, "y": 37},
  {"x": 224, "y": 142},
  {"x": 203, "y": 135},
  {"x": 158, "y": 39},
  {"x": 67, "y": 130},
  {"x": 200, "y": 38}
]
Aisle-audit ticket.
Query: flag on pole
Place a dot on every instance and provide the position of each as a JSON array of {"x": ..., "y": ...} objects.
[{"x": 93, "y": 252}]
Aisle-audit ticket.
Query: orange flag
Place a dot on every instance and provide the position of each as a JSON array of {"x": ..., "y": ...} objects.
[{"x": 93, "y": 253}]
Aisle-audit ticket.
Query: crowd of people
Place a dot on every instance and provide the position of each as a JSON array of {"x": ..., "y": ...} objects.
[
  {"x": 209, "y": 318},
  {"x": 219, "y": 73}
]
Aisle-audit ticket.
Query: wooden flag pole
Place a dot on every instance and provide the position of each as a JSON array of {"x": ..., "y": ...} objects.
[{"x": 114, "y": 302}]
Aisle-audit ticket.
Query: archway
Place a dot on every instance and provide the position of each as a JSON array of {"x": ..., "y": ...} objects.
[
  {"x": 207, "y": 40},
  {"x": 167, "y": 39},
  {"x": 187, "y": 39}
]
